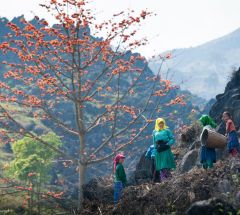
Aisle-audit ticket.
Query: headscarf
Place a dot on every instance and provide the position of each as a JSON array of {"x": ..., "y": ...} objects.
[
  {"x": 158, "y": 120},
  {"x": 116, "y": 160},
  {"x": 207, "y": 120}
]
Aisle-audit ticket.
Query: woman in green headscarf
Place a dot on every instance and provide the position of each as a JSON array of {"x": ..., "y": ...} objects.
[
  {"x": 162, "y": 140},
  {"x": 207, "y": 155}
]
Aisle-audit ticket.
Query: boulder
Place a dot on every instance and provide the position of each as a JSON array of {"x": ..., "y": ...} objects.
[
  {"x": 189, "y": 160},
  {"x": 195, "y": 144},
  {"x": 222, "y": 153},
  {"x": 224, "y": 186},
  {"x": 143, "y": 170},
  {"x": 211, "y": 206},
  {"x": 190, "y": 133},
  {"x": 100, "y": 189}
]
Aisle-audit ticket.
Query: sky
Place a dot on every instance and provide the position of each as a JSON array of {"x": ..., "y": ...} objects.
[{"x": 178, "y": 23}]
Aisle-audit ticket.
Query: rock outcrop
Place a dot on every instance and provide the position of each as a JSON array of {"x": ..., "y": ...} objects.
[
  {"x": 228, "y": 101},
  {"x": 142, "y": 172},
  {"x": 189, "y": 161}
]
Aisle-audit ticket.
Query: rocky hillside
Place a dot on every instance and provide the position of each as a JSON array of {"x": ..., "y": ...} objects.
[
  {"x": 228, "y": 101},
  {"x": 192, "y": 190},
  {"x": 197, "y": 191},
  {"x": 205, "y": 69}
]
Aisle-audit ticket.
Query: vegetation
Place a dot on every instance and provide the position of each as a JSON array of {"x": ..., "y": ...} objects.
[
  {"x": 64, "y": 66},
  {"x": 98, "y": 96},
  {"x": 32, "y": 160},
  {"x": 31, "y": 166}
]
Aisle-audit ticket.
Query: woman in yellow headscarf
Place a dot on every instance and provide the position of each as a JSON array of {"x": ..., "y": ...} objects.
[{"x": 162, "y": 140}]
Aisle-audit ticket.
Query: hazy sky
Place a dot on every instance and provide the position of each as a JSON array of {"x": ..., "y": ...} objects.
[{"x": 178, "y": 24}]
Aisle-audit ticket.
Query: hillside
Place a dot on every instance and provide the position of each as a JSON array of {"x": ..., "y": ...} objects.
[
  {"x": 196, "y": 192},
  {"x": 204, "y": 69},
  {"x": 228, "y": 101},
  {"x": 192, "y": 190},
  {"x": 173, "y": 114},
  {"x": 219, "y": 186}
]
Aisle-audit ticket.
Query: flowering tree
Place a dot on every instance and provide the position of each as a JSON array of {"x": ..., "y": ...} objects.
[{"x": 64, "y": 65}]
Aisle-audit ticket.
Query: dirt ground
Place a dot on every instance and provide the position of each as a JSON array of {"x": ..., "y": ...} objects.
[{"x": 176, "y": 195}]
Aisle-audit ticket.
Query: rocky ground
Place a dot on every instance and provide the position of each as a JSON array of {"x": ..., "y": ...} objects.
[
  {"x": 191, "y": 191},
  {"x": 215, "y": 191}
]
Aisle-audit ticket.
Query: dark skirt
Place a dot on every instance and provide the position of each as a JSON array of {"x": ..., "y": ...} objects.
[
  {"x": 207, "y": 154},
  {"x": 233, "y": 142}
]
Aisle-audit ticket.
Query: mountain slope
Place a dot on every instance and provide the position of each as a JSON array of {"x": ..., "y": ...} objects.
[
  {"x": 175, "y": 115},
  {"x": 228, "y": 101},
  {"x": 204, "y": 70}
]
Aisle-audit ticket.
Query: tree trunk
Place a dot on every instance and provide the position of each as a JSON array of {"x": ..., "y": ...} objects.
[{"x": 82, "y": 172}]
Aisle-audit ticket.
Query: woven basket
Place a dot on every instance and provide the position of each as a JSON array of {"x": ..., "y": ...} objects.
[{"x": 212, "y": 139}]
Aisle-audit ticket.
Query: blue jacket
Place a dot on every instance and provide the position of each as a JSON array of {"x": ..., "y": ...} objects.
[{"x": 150, "y": 152}]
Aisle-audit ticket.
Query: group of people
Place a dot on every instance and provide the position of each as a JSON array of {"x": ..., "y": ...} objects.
[
  {"x": 162, "y": 158},
  {"x": 208, "y": 155}
]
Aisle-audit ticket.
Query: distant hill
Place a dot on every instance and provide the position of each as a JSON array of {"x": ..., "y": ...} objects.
[{"x": 204, "y": 70}]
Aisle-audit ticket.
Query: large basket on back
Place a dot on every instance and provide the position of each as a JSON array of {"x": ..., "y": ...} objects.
[{"x": 212, "y": 139}]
